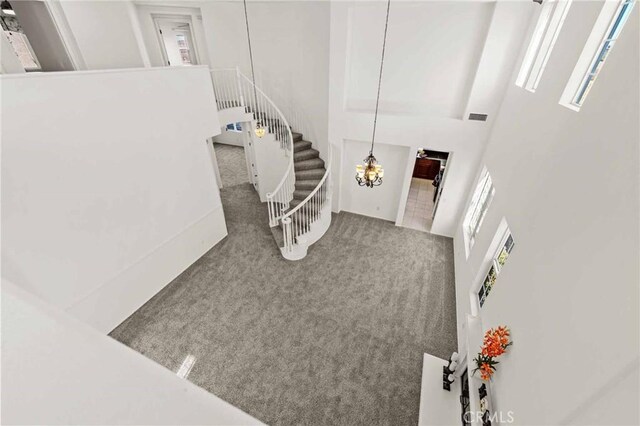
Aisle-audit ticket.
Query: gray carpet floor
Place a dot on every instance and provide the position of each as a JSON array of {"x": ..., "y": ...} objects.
[
  {"x": 334, "y": 339},
  {"x": 232, "y": 164}
]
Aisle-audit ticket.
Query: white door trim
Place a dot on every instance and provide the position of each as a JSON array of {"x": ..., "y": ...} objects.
[
  {"x": 66, "y": 34},
  {"x": 183, "y": 19}
]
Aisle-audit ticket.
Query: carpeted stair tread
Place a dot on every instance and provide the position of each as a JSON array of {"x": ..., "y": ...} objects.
[
  {"x": 301, "y": 146},
  {"x": 310, "y": 174},
  {"x": 307, "y": 154},
  {"x": 296, "y": 136},
  {"x": 301, "y": 194},
  {"x": 314, "y": 163},
  {"x": 307, "y": 184}
]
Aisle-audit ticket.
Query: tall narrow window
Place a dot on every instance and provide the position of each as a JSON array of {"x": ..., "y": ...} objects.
[
  {"x": 480, "y": 202},
  {"x": 543, "y": 39},
  {"x": 605, "y": 33},
  {"x": 498, "y": 260},
  {"x": 619, "y": 19}
]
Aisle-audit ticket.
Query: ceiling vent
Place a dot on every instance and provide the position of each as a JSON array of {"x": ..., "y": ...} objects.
[{"x": 478, "y": 117}]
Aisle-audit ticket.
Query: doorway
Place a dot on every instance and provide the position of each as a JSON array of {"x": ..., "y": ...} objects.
[
  {"x": 235, "y": 156},
  {"x": 427, "y": 182},
  {"x": 34, "y": 37},
  {"x": 176, "y": 38}
]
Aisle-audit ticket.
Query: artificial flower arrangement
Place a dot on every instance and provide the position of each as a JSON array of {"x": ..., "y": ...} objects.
[{"x": 496, "y": 341}]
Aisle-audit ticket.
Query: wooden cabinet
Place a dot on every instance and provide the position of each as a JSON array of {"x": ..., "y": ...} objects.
[{"x": 426, "y": 168}]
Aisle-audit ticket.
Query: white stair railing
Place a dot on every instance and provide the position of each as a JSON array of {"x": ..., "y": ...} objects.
[
  {"x": 234, "y": 89},
  {"x": 305, "y": 223},
  {"x": 299, "y": 222},
  {"x": 227, "y": 88}
]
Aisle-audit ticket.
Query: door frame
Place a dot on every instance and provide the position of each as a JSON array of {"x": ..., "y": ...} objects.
[
  {"x": 441, "y": 185},
  {"x": 404, "y": 195},
  {"x": 66, "y": 34},
  {"x": 182, "y": 19}
]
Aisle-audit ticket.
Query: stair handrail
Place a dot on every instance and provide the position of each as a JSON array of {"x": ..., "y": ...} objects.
[
  {"x": 282, "y": 117},
  {"x": 311, "y": 208},
  {"x": 278, "y": 199},
  {"x": 308, "y": 197},
  {"x": 242, "y": 94}
]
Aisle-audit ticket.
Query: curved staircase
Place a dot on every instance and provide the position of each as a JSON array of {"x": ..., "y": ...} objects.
[
  {"x": 299, "y": 207},
  {"x": 309, "y": 168}
]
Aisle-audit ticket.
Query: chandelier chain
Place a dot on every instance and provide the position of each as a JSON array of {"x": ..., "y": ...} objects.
[
  {"x": 253, "y": 75},
  {"x": 384, "y": 45}
]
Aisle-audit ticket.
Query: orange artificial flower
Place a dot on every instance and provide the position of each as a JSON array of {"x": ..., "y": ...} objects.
[
  {"x": 485, "y": 371},
  {"x": 495, "y": 341}
]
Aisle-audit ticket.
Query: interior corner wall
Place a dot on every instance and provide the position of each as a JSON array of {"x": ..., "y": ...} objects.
[
  {"x": 567, "y": 183},
  {"x": 416, "y": 112},
  {"x": 290, "y": 42},
  {"x": 104, "y": 33},
  {"x": 382, "y": 201},
  {"x": 78, "y": 376},
  {"x": 90, "y": 159}
]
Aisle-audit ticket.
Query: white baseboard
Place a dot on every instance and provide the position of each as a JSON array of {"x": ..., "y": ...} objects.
[{"x": 116, "y": 300}]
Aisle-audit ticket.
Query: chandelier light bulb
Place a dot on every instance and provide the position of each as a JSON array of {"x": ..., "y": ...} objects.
[{"x": 370, "y": 173}]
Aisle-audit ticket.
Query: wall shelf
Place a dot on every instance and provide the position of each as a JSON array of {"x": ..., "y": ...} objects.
[{"x": 437, "y": 406}]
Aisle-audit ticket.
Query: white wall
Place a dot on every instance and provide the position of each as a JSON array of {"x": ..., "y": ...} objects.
[
  {"x": 381, "y": 202},
  {"x": 290, "y": 43},
  {"x": 430, "y": 52},
  {"x": 434, "y": 74},
  {"x": 56, "y": 370},
  {"x": 230, "y": 137},
  {"x": 108, "y": 189},
  {"x": 567, "y": 183},
  {"x": 271, "y": 163},
  {"x": 104, "y": 33}
]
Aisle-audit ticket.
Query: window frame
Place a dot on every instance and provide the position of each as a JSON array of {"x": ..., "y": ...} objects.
[
  {"x": 477, "y": 209},
  {"x": 494, "y": 265},
  {"x": 234, "y": 127},
  {"x": 611, "y": 35},
  {"x": 543, "y": 39},
  {"x": 577, "y": 87}
]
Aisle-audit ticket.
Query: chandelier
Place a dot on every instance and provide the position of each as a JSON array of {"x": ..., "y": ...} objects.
[
  {"x": 260, "y": 129},
  {"x": 371, "y": 173}
]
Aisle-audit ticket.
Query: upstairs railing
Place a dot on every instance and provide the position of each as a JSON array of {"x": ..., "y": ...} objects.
[
  {"x": 234, "y": 89},
  {"x": 298, "y": 221},
  {"x": 227, "y": 88}
]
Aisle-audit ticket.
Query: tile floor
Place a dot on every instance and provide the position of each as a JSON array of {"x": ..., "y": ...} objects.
[{"x": 419, "y": 210}]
